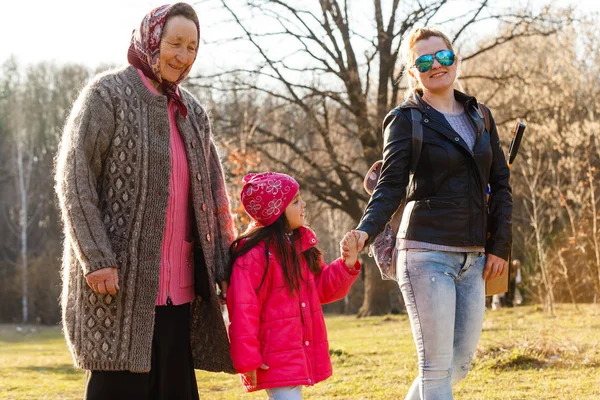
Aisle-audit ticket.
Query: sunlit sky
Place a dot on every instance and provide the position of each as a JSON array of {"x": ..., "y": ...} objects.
[{"x": 97, "y": 32}]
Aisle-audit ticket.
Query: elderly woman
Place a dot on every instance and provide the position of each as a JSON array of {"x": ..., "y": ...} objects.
[
  {"x": 444, "y": 250},
  {"x": 147, "y": 222}
]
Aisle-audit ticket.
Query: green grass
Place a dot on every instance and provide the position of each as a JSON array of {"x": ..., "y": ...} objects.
[{"x": 523, "y": 354}]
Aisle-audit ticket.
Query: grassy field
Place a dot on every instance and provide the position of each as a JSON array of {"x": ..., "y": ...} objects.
[{"x": 523, "y": 354}]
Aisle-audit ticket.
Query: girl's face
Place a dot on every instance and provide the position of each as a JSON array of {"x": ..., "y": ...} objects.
[
  {"x": 295, "y": 212},
  {"x": 178, "y": 47},
  {"x": 439, "y": 78}
]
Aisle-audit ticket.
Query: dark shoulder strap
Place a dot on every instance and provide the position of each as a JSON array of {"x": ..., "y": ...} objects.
[
  {"x": 486, "y": 116},
  {"x": 372, "y": 177},
  {"x": 417, "y": 139}
]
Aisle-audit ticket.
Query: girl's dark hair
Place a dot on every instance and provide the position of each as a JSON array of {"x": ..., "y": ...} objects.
[
  {"x": 186, "y": 11},
  {"x": 283, "y": 245}
]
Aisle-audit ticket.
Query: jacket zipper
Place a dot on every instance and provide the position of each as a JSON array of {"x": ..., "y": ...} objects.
[{"x": 470, "y": 204}]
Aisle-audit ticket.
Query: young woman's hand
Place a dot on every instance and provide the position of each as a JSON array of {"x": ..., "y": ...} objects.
[
  {"x": 362, "y": 237},
  {"x": 494, "y": 267},
  {"x": 252, "y": 374},
  {"x": 349, "y": 249}
]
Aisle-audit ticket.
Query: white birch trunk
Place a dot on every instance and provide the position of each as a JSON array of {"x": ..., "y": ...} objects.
[{"x": 23, "y": 226}]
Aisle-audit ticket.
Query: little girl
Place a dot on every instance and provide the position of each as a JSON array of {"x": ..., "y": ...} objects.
[{"x": 278, "y": 283}]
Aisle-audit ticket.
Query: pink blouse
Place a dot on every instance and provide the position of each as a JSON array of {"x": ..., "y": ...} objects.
[{"x": 176, "y": 282}]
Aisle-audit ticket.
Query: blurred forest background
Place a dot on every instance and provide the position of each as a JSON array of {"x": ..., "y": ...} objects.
[{"x": 319, "y": 77}]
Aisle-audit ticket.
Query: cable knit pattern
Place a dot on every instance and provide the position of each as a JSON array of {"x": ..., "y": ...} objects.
[{"x": 112, "y": 182}]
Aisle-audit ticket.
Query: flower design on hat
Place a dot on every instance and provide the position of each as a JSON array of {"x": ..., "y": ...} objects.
[
  {"x": 273, "y": 186},
  {"x": 252, "y": 189},
  {"x": 254, "y": 206},
  {"x": 274, "y": 207},
  {"x": 265, "y": 196}
]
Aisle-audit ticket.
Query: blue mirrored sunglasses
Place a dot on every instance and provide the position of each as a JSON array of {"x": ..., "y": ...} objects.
[{"x": 425, "y": 62}]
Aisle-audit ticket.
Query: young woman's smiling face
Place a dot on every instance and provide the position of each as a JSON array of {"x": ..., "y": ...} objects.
[
  {"x": 294, "y": 213},
  {"x": 178, "y": 48},
  {"x": 439, "y": 78}
]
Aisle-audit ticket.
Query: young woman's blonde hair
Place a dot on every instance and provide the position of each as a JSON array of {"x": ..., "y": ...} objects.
[{"x": 408, "y": 55}]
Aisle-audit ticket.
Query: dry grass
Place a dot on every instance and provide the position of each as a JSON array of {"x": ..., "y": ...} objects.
[{"x": 523, "y": 354}]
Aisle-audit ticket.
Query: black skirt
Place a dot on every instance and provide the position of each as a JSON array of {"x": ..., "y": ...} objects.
[{"x": 172, "y": 371}]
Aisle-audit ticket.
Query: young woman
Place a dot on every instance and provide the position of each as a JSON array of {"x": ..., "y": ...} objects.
[{"x": 450, "y": 239}]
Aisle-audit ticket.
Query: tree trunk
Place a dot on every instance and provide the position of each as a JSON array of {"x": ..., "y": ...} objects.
[
  {"x": 377, "y": 291},
  {"x": 23, "y": 227},
  {"x": 565, "y": 273},
  {"x": 590, "y": 174}
]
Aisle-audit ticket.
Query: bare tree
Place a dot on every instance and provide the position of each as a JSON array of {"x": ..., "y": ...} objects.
[
  {"x": 34, "y": 103},
  {"x": 338, "y": 65},
  {"x": 17, "y": 221},
  {"x": 554, "y": 179}
]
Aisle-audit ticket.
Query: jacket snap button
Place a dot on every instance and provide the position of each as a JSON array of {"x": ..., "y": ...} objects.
[
  {"x": 426, "y": 120},
  {"x": 456, "y": 139},
  {"x": 303, "y": 304},
  {"x": 306, "y": 343},
  {"x": 310, "y": 381},
  {"x": 203, "y": 207},
  {"x": 208, "y": 237}
]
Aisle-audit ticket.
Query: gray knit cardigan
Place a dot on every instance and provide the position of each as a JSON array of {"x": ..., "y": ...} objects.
[{"x": 112, "y": 181}]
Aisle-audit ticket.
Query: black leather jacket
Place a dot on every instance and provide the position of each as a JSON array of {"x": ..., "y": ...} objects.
[{"x": 447, "y": 202}]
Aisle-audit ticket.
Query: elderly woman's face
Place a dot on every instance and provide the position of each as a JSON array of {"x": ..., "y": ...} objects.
[
  {"x": 439, "y": 77},
  {"x": 178, "y": 47}
]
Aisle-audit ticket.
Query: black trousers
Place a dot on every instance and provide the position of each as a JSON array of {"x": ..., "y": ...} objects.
[{"x": 171, "y": 376}]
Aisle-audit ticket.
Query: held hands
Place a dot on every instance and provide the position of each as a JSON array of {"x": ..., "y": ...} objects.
[
  {"x": 494, "y": 267},
  {"x": 104, "y": 280},
  {"x": 349, "y": 249},
  {"x": 361, "y": 238},
  {"x": 252, "y": 374}
]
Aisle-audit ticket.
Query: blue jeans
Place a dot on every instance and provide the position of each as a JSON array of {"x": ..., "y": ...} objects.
[
  {"x": 285, "y": 393},
  {"x": 444, "y": 294}
]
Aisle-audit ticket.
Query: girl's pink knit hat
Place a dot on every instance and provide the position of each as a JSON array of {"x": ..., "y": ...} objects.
[{"x": 265, "y": 196}]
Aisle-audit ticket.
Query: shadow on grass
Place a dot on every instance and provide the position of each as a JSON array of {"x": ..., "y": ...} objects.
[
  {"x": 537, "y": 354},
  {"x": 341, "y": 355},
  {"x": 520, "y": 362},
  {"x": 62, "y": 369},
  {"x": 504, "y": 329}
]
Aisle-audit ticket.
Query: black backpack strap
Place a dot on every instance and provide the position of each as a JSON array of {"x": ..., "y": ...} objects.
[
  {"x": 486, "y": 116},
  {"x": 417, "y": 143},
  {"x": 372, "y": 177}
]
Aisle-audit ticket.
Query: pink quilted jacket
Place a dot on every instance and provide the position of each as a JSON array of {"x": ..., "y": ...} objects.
[{"x": 284, "y": 331}]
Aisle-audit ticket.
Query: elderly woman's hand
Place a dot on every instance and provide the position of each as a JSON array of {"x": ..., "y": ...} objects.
[
  {"x": 104, "y": 280},
  {"x": 223, "y": 286}
]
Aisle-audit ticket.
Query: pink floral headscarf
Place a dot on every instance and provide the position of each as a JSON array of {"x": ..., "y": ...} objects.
[{"x": 144, "y": 52}]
